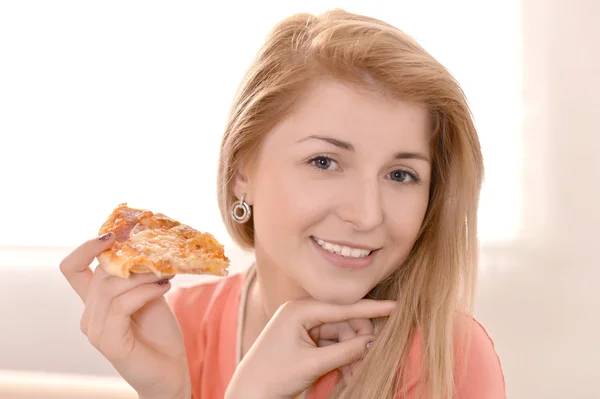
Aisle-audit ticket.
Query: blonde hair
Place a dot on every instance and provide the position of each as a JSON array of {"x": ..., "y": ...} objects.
[{"x": 438, "y": 277}]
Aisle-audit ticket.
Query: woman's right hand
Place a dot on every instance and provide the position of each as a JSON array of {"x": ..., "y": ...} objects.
[{"x": 130, "y": 323}]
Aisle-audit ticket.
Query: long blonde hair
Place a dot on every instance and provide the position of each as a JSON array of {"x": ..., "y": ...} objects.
[{"x": 438, "y": 278}]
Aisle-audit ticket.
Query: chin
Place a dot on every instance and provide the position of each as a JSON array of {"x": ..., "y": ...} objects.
[{"x": 337, "y": 296}]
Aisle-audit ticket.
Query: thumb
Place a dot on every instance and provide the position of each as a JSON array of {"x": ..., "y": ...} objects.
[{"x": 340, "y": 354}]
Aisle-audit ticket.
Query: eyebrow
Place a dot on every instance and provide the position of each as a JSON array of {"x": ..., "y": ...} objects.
[{"x": 344, "y": 145}]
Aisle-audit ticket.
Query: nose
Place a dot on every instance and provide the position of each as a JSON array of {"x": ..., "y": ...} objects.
[{"x": 361, "y": 205}]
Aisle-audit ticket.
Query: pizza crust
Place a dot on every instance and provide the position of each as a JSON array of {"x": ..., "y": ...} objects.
[{"x": 154, "y": 243}]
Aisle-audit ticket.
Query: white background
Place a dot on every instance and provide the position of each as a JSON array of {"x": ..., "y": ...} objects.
[
  {"x": 75, "y": 75},
  {"x": 126, "y": 101}
]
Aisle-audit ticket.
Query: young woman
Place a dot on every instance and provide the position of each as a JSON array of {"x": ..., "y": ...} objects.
[{"x": 351, "y": 166}]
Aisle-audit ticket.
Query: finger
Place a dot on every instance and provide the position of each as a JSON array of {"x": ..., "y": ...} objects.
[
  {"x": 343, "y": 330},
  {"x": 340, "y": 354},
  {"x": 104, "y": 290},
  {"x": 335, "y": 331},
  {"x": 313, "y": 313},
  {"x": 132, "y": 301},
  {"x": 354, "y": 327},
  {"x": 348, "y": 370},
  {"x": 346, "y": 332},
  {"x": 114, "y": 340},
  {"x": 315, "y": 333},
  {"x": 92, "y": 294},
  {"x": 326, "y": 342},
  {"x": 362, "y": 326},
  {"x": 76, "y": 266},
  {"x": 106, "y": 285}
]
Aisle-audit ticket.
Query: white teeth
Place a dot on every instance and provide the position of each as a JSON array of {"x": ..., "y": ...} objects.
[
  {"x": 343, "y": 250},
  {"x": 356, "y": 253}
]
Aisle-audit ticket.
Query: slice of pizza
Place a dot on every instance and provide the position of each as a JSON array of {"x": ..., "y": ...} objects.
[{"x": 149, "y": 242}]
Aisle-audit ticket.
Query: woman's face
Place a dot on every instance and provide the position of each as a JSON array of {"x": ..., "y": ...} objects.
[{"x": 339, "y": 190}]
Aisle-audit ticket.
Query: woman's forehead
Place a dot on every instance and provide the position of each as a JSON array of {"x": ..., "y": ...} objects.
[{"x": 345, "y": 112}]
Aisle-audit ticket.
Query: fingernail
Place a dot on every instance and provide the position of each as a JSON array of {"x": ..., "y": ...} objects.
[
  {"x": 369, "y": 345},
  {"x": 105, "y": 237},
  {"x": 163, "y": 282}
]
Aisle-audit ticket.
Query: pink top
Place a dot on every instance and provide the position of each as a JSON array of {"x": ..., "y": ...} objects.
[{"x": 210, "y": 318}]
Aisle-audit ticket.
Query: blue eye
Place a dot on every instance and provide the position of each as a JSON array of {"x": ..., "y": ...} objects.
[
  {"x": 403, "y": 176},
  {"x": 324, "y": 163}
]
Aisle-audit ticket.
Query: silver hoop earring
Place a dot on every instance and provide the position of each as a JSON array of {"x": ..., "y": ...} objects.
[{"x": 240, "y": 210}]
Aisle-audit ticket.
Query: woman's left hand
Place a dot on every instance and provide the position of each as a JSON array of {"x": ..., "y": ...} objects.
[{"x": 286, "y": 358}]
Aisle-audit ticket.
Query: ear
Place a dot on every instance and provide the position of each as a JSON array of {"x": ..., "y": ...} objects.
[{"x": 242, "y": 186}]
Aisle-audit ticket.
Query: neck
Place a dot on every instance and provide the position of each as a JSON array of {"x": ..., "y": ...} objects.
[
  {"x": 272, "y": 288},
  {"x": 267, "y": 292}
]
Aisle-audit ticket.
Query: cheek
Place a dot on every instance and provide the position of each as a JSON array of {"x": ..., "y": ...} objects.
[
  {"x": 287, "y": 205},
  {"x": 405, "y": 220}
]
